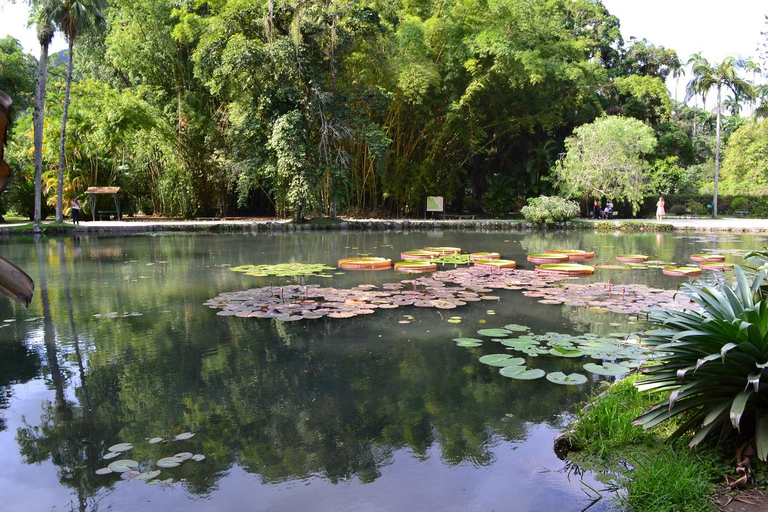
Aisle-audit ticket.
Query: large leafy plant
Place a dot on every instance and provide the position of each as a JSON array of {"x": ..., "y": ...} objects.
[
  {"x": 714, "y": 362},
  {"x": 549, "y": 209}
]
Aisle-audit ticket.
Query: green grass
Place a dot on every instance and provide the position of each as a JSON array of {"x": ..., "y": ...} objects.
[
  {"x": 652, "y": 475},
  {"x": 47, "y": 227}
]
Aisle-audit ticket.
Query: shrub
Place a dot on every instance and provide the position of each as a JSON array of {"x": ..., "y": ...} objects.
[
  {"x": 714, "y": 362},
  {"x": 740, "y": 204},
  {"x": 549, "y": 209},
  {"x": 696, "y": 208},
  {"x": 678, "y": 209}
]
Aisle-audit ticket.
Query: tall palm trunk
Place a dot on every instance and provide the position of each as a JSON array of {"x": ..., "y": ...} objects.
[
  {"x": 64, "y": 115},
  {"x": 44, "y": 34},
  {"x": 717, "y": 153}
]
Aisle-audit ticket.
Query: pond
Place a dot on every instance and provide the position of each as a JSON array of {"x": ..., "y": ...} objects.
[{"x": 379, "y": 412}]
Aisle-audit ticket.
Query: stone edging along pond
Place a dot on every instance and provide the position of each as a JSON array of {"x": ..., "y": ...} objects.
[{"x": 278, "y": 226}]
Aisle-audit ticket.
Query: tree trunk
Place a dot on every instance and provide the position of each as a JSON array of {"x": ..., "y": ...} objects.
[
  {"x": 64, "y": 115},
  {"x": 717, "y": 154},
  {"x": 38, "y": 121}
]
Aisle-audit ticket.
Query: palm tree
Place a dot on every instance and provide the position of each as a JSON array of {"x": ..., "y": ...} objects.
[
  {"x": 707, "y": 76},
  {"x": 761, "y": 109},
  {"x": 73, "y": 17},
  {"x": 45, "y": 31}
]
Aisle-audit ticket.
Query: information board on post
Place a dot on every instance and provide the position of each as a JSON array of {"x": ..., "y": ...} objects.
[{"x": 434, "y": 203}]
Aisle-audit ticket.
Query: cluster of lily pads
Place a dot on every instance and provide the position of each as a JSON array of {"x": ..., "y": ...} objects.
[
  {"x": 128, "y": 469},
  {"x": 442, "y": 290},
  {"x": 618, "y": 354},
  {"x": 115, "y": 314},
  {"x": 284, "y": 270}
]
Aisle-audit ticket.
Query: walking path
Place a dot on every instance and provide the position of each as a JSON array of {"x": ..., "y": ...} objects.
[{"x": 272, "y": 224}]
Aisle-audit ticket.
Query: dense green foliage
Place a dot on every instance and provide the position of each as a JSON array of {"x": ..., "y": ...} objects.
[{"x": 231, "y": 106}]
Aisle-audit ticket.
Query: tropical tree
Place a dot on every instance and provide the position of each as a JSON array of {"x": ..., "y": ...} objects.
[
  {"x": 45, "y": 32},
  {"x": 707, "y": 76},
  {"x": 73, "y": 17},
  {"x": 606, "y": 158}
]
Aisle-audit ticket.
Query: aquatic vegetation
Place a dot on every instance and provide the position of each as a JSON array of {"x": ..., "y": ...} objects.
[
  {"x": 495, "y": 263},
  {"x": 632, "y": 258},
  {"x": 484, "y": 256},
  {"x": 547, "y": 258},
  {"x": 575, "y": 254},
  {"x": 567, "y": 269},
  {"x": 707, "y": 257},
  {"x": 418, "y": 255},
  {"x": 721, "y": 267},
  {"x": 681, "y": 271},
  {"x": 367, "y": 263},
  {"x": 442, "y": 251},
  {"x": 416, "y": 266},
  {"x": 284, "y": 270}
]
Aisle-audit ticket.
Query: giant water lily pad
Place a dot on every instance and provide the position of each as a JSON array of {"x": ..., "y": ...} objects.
[
  {"x": 574, "y": 379},
  {"x": 502, "y": 360},
  {"x": 521, "y": 373},
  {"x": 123, "y": 465},
  {"x": 516, "y": 327},
  {"x": 283, "y": 269},
  {"x": 607, "y": 369}
]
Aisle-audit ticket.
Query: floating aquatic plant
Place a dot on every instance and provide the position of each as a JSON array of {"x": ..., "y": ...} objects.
[
  {"x": 367, "y": 263},
  {"x": 284, "y": 270},
  {"x": 568, "y": 269},
  {"x": 418, "y": 255},
  {"x": 707, "y": 257},
  {"x": 632, "y": 258},
  {"x": 681, "y": 271},
  {"x": 547, "y": 258},
  {"x": 416, "y": 266},
  {"x": 495, "y": 264},
  {"x": 575, "y": 255},
  {"x": 502, "y": 360},
  {"x": 443, "y": 250},
  {"x": 573, "y": 379}
]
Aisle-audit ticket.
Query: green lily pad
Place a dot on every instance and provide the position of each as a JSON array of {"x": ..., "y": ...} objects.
[
  {"x": 574, "y": 379},
  {"x": 606, "y": 369},
  {"x": 103, "y": 471},
  {"x": 183, "y": 436},
  {"x": 516, "y": 327},
  {"x": 282, "y": 269},
  {"x": 198, "y": 457},
  {"x": 501, "y": 333},
  {"x": 184, "y": 455},
  {"x": 121, "y": 447},
  {"x": 111, "y": 455},
  {"x": 520, "y": 373},
  {"x": 156, "y": 440},
  {"x": 566, "y": 352},
  {"x": 123, "y": 465},
  {"x": 130, "y": 474},
  {"x": 169, "y": 462},
  {"x": 467, "y": 343},
  {"x": 147, "y": 475},
  {"x": 502, "y": 360}
]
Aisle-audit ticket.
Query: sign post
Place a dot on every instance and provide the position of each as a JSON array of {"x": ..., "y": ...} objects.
[{"x": 434, "y": 204}]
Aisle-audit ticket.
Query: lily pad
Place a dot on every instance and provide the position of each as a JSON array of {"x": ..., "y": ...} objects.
[
  {"x": 198, "y": 457},
  {"x": 121, "y": 447},
  {"x": 123, "y": 465},
  {"x": 520, "y": 373},
  {"x": 147, "y": 475},
  {"x": 103, "y": 471},
  {"x": 502, "y": 360},
  {"x": 516, "y": 327},
  {"x": 574, "y": 379},
  {"x": 183, "y": 436},
  {"x": 130, "y": 475},
  {"x": 501, "y": 333},
  {"x": 607, "y": 369},
  {"x": 566, "y": 352},
  {"x": 183, "y": 455},
  {"x": 156, "y": 440},
  {"x": 282, "y": 269},
  {"x": 111, "y": 455},
  {"x": 468, "y": 342},
  {"x": 169, "y": 462}
]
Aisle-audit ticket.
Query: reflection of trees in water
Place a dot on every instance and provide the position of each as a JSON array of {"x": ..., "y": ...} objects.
[
  {"x": 282, "y": 400},
  {"x": 18, "y": 364}
]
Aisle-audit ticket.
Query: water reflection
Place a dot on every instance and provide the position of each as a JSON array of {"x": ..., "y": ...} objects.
[{"x": 367, "y": 400}]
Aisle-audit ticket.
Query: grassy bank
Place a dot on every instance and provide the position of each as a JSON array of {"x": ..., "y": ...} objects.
[{"x": 649, "y": 474}]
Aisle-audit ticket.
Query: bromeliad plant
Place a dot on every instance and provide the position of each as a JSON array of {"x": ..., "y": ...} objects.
[{"x": 714, "y": 362}]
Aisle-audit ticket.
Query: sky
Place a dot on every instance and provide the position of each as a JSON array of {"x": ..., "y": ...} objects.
[{"x": 713, "y": 27}]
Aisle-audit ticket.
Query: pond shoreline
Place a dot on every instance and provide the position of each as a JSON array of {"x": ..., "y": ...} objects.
[{"x": 134, "y": 225}]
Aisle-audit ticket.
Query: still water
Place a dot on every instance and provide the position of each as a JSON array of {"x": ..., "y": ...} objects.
[{"x": 362, "y": 414}]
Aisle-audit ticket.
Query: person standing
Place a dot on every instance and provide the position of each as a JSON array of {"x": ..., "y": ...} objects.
[
  {"x": 660, "y": 213},
  {"x": 597, "y": 210},
  {"x": 75, "y": 211}
]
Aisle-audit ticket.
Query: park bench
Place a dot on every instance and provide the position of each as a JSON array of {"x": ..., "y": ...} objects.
[
  {"x": 107, "y": 213},
  {"x": 454, "y": 216},
  {"x": 742, "y": 213}
]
